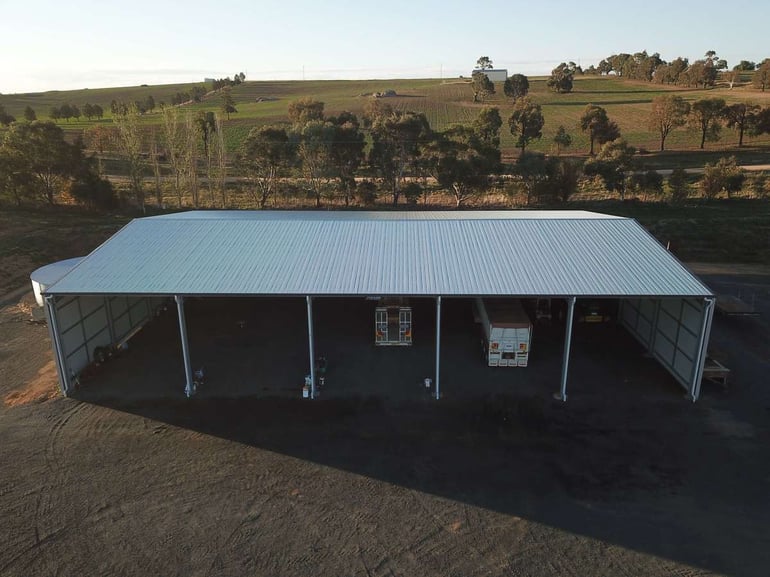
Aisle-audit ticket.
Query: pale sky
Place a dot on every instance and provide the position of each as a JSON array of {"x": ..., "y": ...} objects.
[{"x": 46, "y": 45}]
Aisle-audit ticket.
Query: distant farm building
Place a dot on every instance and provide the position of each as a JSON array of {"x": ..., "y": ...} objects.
[{"x": 494, "y": 74}]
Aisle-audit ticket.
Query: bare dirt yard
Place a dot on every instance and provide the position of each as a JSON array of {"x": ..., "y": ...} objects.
[{"x": 375, "y": 478}]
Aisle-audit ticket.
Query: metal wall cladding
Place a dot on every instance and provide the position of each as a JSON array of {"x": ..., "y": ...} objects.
[{"x": 519, "y": 253}]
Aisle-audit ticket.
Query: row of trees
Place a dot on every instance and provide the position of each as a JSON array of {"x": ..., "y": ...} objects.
[
  {"x": 345, "y": 153},
  {"x": 516, "y": 86},
  {"x": 669, "y": 112},
  {"x": 185, "y": 141},
  {"x": 120, "y": 108},
  {"x": 707, "y": 116},
  {"x": 195, "y": 94},
  {"x": 218, "y": 83},
  {"x": 465, "y": 160},
  {"x": 639, "y": 66},
  {"x": 330, "y": 150},
  {"x": 321, "y": 155},
  {"x": 561, "y": 80},
  {"x": 67, "y": 111},
  {"x": 702, "y": 73}
]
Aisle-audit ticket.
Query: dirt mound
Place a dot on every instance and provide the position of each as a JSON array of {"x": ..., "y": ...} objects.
[{"x": 41, "y": 388}]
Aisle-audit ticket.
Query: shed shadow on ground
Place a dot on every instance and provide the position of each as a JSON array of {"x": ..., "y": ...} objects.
[{"x": 626, "y": 461}]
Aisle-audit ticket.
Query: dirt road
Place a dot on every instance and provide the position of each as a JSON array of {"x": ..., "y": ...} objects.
[{"x": 625, "y": 479}]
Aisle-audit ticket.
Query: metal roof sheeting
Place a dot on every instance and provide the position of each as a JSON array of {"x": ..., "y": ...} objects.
[{"x": 480, "y": 253}]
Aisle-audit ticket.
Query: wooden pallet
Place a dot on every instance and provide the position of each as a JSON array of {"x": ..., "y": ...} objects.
[{"x": 715, "y": 372}]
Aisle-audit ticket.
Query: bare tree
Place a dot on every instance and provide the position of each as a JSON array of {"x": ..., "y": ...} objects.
[
  {"x": 155, "y": 159},
  {"x": 190, "y": 158},
  {"x": 221, "y": 154},
  {"x": 130, "y": 144},
  {"x": 174, "y": 140},
  {"x": 315, "y": 142}
]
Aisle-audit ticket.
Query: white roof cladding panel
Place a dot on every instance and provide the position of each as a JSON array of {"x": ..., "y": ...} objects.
[{"x": 521, "y": 253}]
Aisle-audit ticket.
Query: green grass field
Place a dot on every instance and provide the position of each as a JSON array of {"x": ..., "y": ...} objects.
[{"x": 443, "y": 102}]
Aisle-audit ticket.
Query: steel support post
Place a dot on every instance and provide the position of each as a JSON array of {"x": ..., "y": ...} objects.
[
  {"x": 562, "y": 394},
  {"x": 53, "y": 329},
  {"x": 700, "y": 361},
  {"x": 189, "y": 388},
  {"x": 311, "y": 344},
  {"x": 438, "y": 347}
]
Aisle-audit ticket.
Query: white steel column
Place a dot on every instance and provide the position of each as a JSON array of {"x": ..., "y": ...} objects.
[
  {"x": 700, "y": 361},
  {"x": 438, "y": 346},
  {"x": 110, "y": 325},
  {"x": 562, "y": 394},
  {"x": 189, "y": 388},
  {"x": 311, "y": 345},
  {"x": 53, "y": 329}
]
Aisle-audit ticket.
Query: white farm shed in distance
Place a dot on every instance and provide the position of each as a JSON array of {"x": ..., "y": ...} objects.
[
  {"x": 110, "y": 294},
  {"x": 494, "y": 74}
]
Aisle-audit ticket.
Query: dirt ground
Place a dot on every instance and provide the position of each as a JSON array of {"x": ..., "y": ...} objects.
[{"x": 375, "y": 478}]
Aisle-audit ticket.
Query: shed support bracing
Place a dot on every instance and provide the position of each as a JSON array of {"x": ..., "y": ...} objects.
[
  {"x": 562, "y": 394},
  {"x": 708, "y": 316},
  {"x": 311, "y": 344},
  {"x": 189, "y": 388},
  {"x": 53, "y": 326},
  {"x": 438, "y": 346}
]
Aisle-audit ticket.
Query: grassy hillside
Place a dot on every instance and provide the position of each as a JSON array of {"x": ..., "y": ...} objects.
[{"x": 443, "y": 102}]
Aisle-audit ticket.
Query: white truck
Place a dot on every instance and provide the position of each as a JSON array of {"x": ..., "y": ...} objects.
[{"x": 507, "y": 332}]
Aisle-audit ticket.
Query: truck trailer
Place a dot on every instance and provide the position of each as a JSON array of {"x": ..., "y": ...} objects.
[
  {"x": 393, "y": 323},
  {"x": 507, "y": 332}
]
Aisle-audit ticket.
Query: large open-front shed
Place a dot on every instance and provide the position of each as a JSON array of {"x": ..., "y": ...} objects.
[{"x": 113, "y": 292}]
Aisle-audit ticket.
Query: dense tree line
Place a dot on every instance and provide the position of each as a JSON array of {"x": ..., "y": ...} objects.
[
  {"x": 388, "y": 151},
  {"x": 701, "y": 73},
  {"x": 67, "y": 111},
  {"x": 328, "y": 153},
  {"x": 707, "y": 116},
  {"x": 325, "y": 154},
  {"x": 195, "y": 94},
  {"x": 218, "y": 83},
  {"x": 38, "y": 164}
]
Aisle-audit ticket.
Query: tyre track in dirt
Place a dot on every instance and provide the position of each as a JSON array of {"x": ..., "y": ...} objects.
[
  {"x": 238, "y": 537},
  {"x": 76, "y": 426},
  {"x": 254, "y": 535},
  {"x": 49, "y": 520},
  {"x": 46, "y": 495}
]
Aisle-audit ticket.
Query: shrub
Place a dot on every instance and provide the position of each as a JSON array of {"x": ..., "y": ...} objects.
[
  {"x": 93, "y": 191},
  {"x": 724, "y": 175},
  {"x": 366, "y": 192},
  {"x": 677, "y": 184},
  {"x": 412, "y": 193},
  {"x": 649, "y": 181},
  {"x": 758, "y": 185}
]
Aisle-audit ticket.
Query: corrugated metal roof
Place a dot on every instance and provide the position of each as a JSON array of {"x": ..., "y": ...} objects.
[{"x": 548, "y": 253}]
